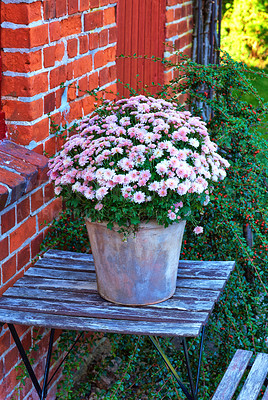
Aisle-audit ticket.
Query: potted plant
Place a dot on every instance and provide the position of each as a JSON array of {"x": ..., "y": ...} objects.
[{"x": 136, "y": 170}]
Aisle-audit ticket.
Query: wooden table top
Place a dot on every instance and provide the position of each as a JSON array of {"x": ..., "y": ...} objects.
[{"x": 60, "y": 291}]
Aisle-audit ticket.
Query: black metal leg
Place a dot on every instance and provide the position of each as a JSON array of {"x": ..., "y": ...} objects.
[
  {"x": 199, "y": 361},
  {"x": 25, "y": 359},
  {"x": 42, "y": 393},
  {"x": 194, "y": 388},
  {"x": 49, "y": 353},
  {"x": 188, "y": 365},
  {"x": 171, "y": 368}
]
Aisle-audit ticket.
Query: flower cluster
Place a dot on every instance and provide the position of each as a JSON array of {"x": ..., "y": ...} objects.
[{"x": 137, "y": 159}]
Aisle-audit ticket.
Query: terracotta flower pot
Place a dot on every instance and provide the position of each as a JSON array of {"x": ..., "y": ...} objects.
[{"x": 140, "y": 270}]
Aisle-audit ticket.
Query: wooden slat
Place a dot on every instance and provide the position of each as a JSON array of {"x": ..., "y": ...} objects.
[
  {"x": 36, "y": 272},
  {"x": 91, "y": 285},
  {"x": 255, "y": 379},
  {"x": 186, "y": 270},
  {"x": 69, "y": 255},
  {"x": 233, "y": 375},
  {"x": 53, "y": 273},
  {"x": 105, "y": 311},
  {"x": 201, "y": 283},
  {"x": 93, "y": 298},
  {"x": 191, "y": 329}
]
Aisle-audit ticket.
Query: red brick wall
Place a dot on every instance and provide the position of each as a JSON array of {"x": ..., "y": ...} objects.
[
  {"x": 44, "y": 44},
  {"x": 179, "y": 25}
]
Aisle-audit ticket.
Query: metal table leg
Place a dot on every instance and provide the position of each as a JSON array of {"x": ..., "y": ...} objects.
[
  {"x": 193, "y": 393},
  {"x": 42, "y": 393}
]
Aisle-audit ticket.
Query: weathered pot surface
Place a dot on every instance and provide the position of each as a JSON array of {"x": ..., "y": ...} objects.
[{"x": 140, "y": 270}]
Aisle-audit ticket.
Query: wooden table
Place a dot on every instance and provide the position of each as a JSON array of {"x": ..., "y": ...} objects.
[{"x": 60, "y": 291}]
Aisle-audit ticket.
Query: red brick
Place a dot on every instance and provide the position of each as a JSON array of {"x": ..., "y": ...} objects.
[
  {"x": 103, "y": 57},
  {"x": 22, "y": 62},
  {"x": 27, "y": 340},
  {"x": 93, "y": 41},
  {"x": 71, "y": 95},
  {"x": 10, "y": 381},
  {"x": 88, "y": 104},
  {"x": 3, "y": 249},
  {"x": 49, "y": 102},
  {"x": 176, "y": 29},
  {"x": 72, "y": 48},
  {"x": 84, "y": 5},
  {"x": 93, "y": 81},
  {"x": 49, "y": 9},
  {"x": 109, "y": 16},
  {"x": 50, "y": 147},
  {"x": 112, "y": 34},
  {"x": 28, "y": 156},
  {"x": 24, "y": 169},
  {"x": 35, "y": 244},
  {"x": 3, "y": 196},
  {"x": 72, "y": 6},
  {"x": 61, "y": 8},
  {"x": 21, "y": 13},
  {"x": 11, "y": 358},
  {"x": 103, "y": 38},
  {"x": 59, "y": 94},
  {"x": 83, "y": 44},
  {"x": 16, "y": 183},
  {"x": 104, "y": 3},
  {"x": 170, "y": 15},
  {"x": 49, "y": 213},
  {"x": 70, "y": 71},
  {"x": 58, "y": 76},
  {"x": 16, "y": 86},
  {"x": 8, "y": 220},
  {"x": 54, "y": 30},
  {"x": 53, "y": 54},
  {"x": 24, "y": 134},
  {"x": 49, "y": 192},
  {"x": 104, "y": 76},
  {"x": 22, "y": 233},
  {"x": 39, "y": 149},
  {"x": 4, "y": 341},
  {"x": 82, "y": 86},
  {"x": 82, "y": 66},
  {"x": 37, "y": 200},
  {"x": 71, "y": 26},
  {"x": 15, "y": 38},
  {"x": 38, "y": 35},
  {"x": 93, "y": 20},
  {"x": 75, "y": 111},
  {"x": 112, "y": 73},
  {"x": 172, "y": 2},
  {"x": 21, "y": 111},
  {"x": 23, "y": 209},
  {"x": 23, "y": 257},
  {"x": 9, "y": 269},
  {"x": 183, "y": 41},
  {"x": 94, "y": 3}
]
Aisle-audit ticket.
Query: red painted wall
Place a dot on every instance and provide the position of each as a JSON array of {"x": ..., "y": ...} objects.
[{"x": 141, "y": 29}]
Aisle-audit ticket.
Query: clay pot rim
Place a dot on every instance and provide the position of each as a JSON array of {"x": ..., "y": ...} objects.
[{"x": 151, "y": 224}]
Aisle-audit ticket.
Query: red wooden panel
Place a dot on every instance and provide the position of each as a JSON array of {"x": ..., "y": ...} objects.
[{"x": 141, "y": 31}]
